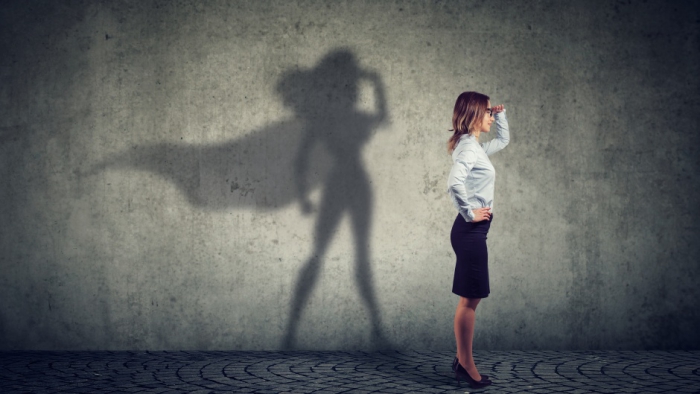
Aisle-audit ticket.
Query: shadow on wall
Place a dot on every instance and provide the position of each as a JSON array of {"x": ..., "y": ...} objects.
[{"x": 256, "y": 170}]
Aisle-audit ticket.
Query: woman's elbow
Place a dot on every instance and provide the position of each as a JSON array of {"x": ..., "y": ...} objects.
[{"x": 455, "y": 188}]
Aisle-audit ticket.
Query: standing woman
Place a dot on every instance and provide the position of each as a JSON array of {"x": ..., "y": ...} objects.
[{"x": 471, "y": 187}]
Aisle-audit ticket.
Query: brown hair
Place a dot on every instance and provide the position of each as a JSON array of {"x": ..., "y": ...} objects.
[{"x": 469, "y": 111}]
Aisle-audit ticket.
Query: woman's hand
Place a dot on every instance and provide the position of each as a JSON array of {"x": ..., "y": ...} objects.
[
  {"x": 497, "y": 109},
  {"x": 481, "y": 214}
]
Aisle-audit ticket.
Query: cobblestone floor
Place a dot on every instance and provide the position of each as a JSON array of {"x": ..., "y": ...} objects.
[{"x": 346, "y": 372}]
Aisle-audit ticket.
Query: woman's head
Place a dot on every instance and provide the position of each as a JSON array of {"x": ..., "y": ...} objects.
[{"x": 469, "y": 115}]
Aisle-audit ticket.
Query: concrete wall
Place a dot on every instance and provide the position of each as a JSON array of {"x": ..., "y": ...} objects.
[{"x": 154, "y": 155}]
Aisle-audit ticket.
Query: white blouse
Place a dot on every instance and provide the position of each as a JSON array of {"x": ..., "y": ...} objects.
[{"x": 472, "y": 177}]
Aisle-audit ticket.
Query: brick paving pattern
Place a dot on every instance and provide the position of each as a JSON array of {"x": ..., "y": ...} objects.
[{"x": 346, "y": 372}]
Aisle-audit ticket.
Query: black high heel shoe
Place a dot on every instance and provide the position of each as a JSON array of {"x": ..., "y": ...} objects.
[
  {"x": 462, "y": 373},
  {"x": 455, "y": 363}
]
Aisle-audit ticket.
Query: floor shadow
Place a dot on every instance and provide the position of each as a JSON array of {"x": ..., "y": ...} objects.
[{"x": 263, "y": 170}]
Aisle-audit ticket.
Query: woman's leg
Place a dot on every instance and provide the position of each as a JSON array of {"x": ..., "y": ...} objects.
[{"x": 465, "y": 317}]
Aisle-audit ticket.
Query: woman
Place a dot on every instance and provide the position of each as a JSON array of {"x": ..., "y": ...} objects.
[{"x": 471, "y": 187}]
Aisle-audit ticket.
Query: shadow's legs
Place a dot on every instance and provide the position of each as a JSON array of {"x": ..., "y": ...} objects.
[
  {"x": 326, "y": 223},
  {"x": 361, "y": 211}
]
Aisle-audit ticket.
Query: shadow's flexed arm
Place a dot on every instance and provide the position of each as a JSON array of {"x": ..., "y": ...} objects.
[{"x": 382, "y": 114}]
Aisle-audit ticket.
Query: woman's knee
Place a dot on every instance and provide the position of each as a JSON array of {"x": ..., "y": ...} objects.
[{"x": 470, "y": 303}]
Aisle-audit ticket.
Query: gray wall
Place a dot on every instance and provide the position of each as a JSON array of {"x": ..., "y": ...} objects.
[{"x": 153, "y": 155}]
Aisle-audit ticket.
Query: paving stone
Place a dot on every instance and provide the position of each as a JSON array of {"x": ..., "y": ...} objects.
[{"x": 347, "y": 372}]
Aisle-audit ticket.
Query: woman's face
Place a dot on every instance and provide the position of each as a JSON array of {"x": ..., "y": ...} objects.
[{"x": 488, "y": 119}]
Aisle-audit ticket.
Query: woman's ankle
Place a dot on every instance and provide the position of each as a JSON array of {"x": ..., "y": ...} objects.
[{"x": 473, "y": 371}]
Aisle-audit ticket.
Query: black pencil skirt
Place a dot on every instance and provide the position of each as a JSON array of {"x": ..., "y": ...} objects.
[{"x": 468, "y": 239}]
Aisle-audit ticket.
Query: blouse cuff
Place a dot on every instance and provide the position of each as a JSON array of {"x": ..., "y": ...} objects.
[{"x": 468, "y": 215}]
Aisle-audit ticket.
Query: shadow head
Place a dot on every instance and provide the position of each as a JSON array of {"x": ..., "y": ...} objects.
[{"x": 330, "y": 86}]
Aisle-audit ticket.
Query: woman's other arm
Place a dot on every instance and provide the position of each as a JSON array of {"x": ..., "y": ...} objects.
[{"x": 456, "y": 186}]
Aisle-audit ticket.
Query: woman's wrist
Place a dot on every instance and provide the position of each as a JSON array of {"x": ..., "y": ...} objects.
[{"x": 469, "y": 215}]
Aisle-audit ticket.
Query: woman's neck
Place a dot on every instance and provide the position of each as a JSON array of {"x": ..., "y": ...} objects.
[{"x": 476, "y": 135}]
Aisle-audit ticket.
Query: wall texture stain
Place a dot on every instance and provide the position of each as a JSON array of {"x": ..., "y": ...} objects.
[{"x": 271, "y": 174}]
